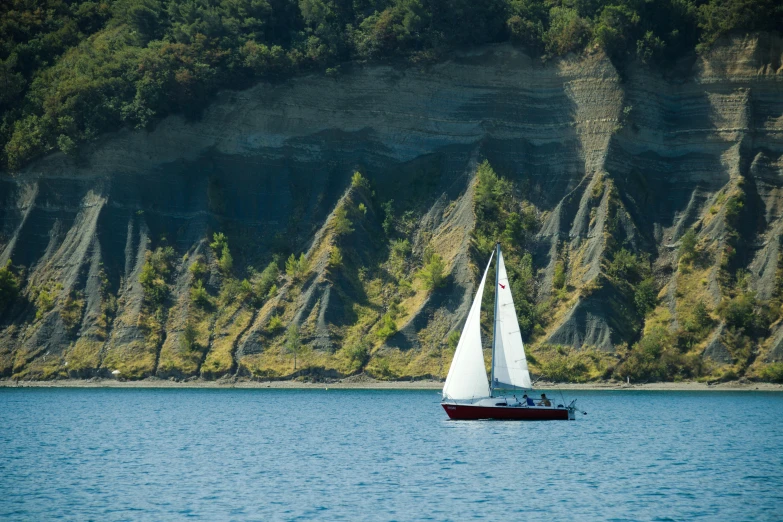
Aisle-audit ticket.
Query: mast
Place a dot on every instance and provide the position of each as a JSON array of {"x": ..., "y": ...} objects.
[{"x": 495, "y": 323}]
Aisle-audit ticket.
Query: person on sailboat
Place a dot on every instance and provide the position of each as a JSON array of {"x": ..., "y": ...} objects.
[
  {"x": 528, "y": 400},
  {"x": 544, "y": 401}
]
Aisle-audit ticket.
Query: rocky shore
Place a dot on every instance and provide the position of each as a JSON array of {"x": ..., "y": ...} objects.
[{"x": 372, "y": 384}]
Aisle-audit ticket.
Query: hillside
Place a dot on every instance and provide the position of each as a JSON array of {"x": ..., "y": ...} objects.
[{"x": 640, "y": 212}]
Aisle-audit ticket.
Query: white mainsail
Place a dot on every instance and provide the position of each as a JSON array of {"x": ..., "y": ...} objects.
[
  {"x": 509, "y": 365},
  {"x": 467, "y": 377}
]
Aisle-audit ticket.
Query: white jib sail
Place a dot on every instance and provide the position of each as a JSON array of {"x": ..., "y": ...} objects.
[
  {"x": 509, "y": 362},
  {"x": 467, "y": 377}
]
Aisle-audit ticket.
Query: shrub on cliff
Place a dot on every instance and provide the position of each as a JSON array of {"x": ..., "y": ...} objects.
[
  {"x": 772, "y": 372},
  {"x": 275, "y": 324},
  {"x": 226, "y": 260},
  {"x": 359, "y": 181},
  {"x": 387, "y": 327},
  {"x": 188, "y": 337},
  {"x": 293, "y": 343},
  {"x": 71, "y": 310},
  {"x": 342, "y": 225},
  {"x": 433, "y": 274},
  {"x": 295, "y": 268},
  {"x": 688, "y": 243},
  {"x": 627, "y": 266},
  {"x": 645, "y": 296},
  {"x": 559, "y": 277},
  {"x": 657, "y": 358},
  {"x": 335, "y": 259},
  {"x": 199, "y": 295},
  {"x": 44, "y": 298},
  {"x": 513, "y": 222},
  {"x": 220, "y": 246},
  {"x": 154, "y": 274},
  {"x": 744, "y": 312},
  {"x": 199, "y": 270},
  {"x": 265, "y": 281},
  {"x": 9, "y": 286},
  {"x": 358, "y": 354}
]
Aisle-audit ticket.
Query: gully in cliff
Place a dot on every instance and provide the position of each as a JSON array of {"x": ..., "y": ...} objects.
[{"x": 467, "y": 395}]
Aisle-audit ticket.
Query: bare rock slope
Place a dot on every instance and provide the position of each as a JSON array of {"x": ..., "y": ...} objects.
[{"x": 637, "y": 160}]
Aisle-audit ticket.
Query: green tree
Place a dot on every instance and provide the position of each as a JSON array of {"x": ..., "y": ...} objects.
[
  {"x": 746, "y": 313},
  {"x": 44, "y": 301},
  {"x": 453, "y": 340},
  {"x": 9, "y": 286},
  {"x": 701, "y": 315},
  {"x": 335, "y": 258},
  {"x": 198, "y": 269},
  {"x": 188, "y": 337},
  {"x": 649, "y": 359},
  {"x": 401, "y": 248},
  {"x": 219, "y": 242},
  {"x": 275, "y": 323},
  {"x": 559, "y": 277},
  {"x": 297, "y": 268},
  {"x": 358, "y": 354},
  {"x": 199, "y": 295},
  {"x": 567, "y": 31},
  {"x": 688, "y": 246},
  {"x": 71, "y": 310},
  {"x": 646, "y": 296},
  {"x": 433, "y": 275},
  {"x": 772, "y": 372},
  {"x": 615, "y": 28},
  {"x": 388, "y": 327},
  {"x": 293, "y": 342},
  {"x": 489, "y": 191},
  {"x": 627, "y": 266},
  {"x": 527, "y": 21},
  {"x": 154, "y": 274},
  {"x": 359, "y": 181},
  {"x": 721, "y": 17},
  {"x": 226, "y": 261},
  {"x": 388, "y": 217},
  {"x": 145, "y": 17},
  {"x": 292, "y": 267},
  {"x": 266, "y": 280},
  {"x": 342, "y": 225},
  {"x": 514, "y": 230}
]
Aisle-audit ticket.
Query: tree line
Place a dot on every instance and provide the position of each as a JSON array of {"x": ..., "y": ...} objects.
[{"x": 73, "y": 69}]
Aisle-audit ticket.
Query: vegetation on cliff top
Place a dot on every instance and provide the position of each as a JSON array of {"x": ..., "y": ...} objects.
[{"x": 70, "y": 70}]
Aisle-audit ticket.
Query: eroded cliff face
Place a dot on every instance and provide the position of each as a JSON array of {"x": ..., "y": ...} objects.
[{"x": 604, "y": 160}]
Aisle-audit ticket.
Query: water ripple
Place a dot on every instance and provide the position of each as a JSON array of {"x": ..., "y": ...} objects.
[{"x": 383, "y": 455}]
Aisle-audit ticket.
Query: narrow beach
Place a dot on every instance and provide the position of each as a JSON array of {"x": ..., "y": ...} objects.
[{"x": 370, "y": 384}]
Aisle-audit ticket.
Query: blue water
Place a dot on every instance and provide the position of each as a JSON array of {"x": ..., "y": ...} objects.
[{"x": 142, "y": 454}]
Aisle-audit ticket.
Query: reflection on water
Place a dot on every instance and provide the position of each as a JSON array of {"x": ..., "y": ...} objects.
[{"x": 348, "y": 454}]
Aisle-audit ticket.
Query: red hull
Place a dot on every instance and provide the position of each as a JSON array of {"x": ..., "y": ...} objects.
[{"x": 470, "y": 412}]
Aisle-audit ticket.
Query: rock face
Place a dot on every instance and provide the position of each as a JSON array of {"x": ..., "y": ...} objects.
[{"x": 269, "y": 166}]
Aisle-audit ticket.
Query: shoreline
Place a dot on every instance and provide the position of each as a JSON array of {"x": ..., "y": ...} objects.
[{"x": 368, "y": 384}]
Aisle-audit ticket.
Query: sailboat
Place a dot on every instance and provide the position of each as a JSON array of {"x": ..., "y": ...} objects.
[{"x": 467, "y": 395}]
